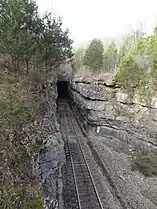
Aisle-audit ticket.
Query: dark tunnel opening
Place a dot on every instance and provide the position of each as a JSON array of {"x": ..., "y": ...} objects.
[{"x": 62, "y": 87}]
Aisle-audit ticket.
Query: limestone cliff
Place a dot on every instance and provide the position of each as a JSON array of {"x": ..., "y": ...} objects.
[
  {"x": 105, "y": 105},
  {"x": 120, "y": 127},
  {"x": 52, "y": 152}
]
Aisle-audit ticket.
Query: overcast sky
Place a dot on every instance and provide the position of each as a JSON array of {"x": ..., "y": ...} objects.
[{"x": 87, "y": 19}]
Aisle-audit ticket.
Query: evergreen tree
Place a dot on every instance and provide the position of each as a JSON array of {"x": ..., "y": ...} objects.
[
  {"x": 27, "y": 38},
  {"x": 30, "y": 46},
  {"x": 16, "y": 23},
  {"x": 94, "y": 55},
  {"x": 78, "y": 58},
  {"x": 110, "y": 57}
]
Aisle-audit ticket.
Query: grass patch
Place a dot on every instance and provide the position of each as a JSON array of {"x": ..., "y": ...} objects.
[
  {"x": 146, "y": 163},
  {"x": 22, "y": 199}
]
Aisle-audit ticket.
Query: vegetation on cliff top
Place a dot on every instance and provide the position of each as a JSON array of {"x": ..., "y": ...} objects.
[
  {"x": 30, "y": 46},
  {"x": 134, "y": 63},
  {"x": 146, "y": 163}
]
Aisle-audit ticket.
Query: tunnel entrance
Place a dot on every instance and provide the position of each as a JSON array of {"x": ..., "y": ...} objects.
[{"x": 62, "y": 89}]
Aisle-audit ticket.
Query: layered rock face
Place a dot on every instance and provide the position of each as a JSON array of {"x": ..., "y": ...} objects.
[
  {"x": 103, "y": 104},
  {"x": 52, "y": 156},
  {"x": 120, "y": 127},
  {"x": 52, "y": 152}
]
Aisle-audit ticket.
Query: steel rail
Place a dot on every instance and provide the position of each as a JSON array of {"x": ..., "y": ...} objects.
[{"x": 84, "y": 158}]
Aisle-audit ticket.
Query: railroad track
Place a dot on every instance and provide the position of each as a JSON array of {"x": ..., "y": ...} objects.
[{"x": 82, "y": 193}]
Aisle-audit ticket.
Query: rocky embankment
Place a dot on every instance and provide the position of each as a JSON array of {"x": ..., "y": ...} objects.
[
  {"x": 121, "y": 127},
  {"x": 52, "y": 152},
  {"x": 32, "y": 149},
  {"x": 52, "y": 156},
  {"x": 105, "y": 105}
]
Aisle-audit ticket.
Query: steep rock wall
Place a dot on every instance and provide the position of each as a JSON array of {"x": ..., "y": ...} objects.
[
  {"x": 103, "y": 104},
  {"x": 52, "y": 155},
  {"x": 120, "y": 128}
]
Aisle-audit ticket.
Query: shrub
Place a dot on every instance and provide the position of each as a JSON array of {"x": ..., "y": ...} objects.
[
  {"x": 146, "y": 164},
  {"x": 129, "y": 74}
]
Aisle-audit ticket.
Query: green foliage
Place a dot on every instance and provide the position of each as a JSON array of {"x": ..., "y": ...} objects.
[
  {"x": 146, "y": 164},
  {"x": 19, "y": 112},
  {"x": 137, "y": 68},
  {"x": 110, "y": 57},
  {"x": 144, "y": 90},
  {"x": 125, "y": 47},
  {"x": 19, "y": 199},
  {"x": 55, "y": 43},
  {"x": 154, "y": 72},
  {"x": 30, "y": 47},
  {"x": 16, "y": 34},
  {"x": 152, "y": 51},
  {"x": 129, "y": 43},
  {"x": 14, "y": 108},
  {"x": 5, "y": 201},
  {"x": 94, "y": 55},
  {"x": 129, "y": 74},
  {"x": 27, "y": 38},
  {"x": 135, "y": 64},
  {"x": 78, "y": 58}
]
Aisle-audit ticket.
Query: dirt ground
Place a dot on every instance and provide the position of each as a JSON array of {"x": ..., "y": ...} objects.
[{"x": 136, "y": 190}]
